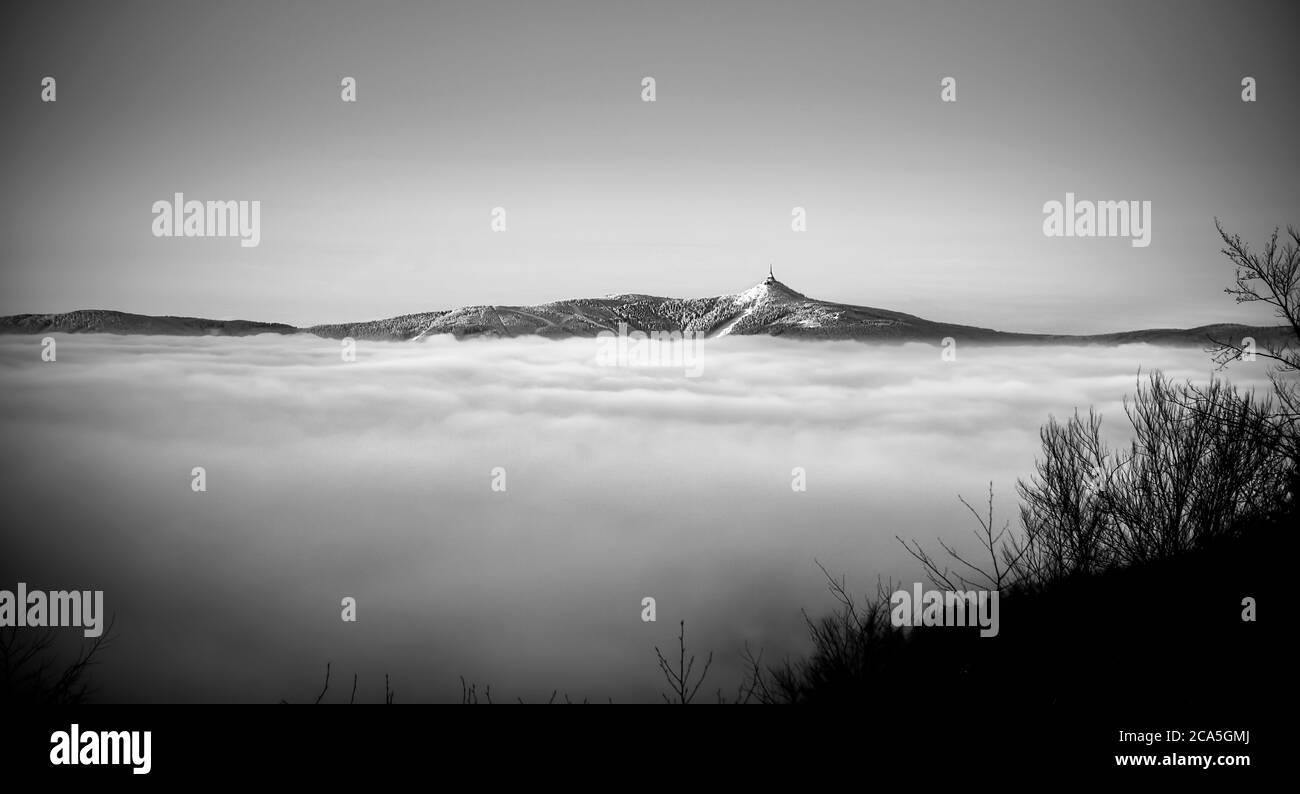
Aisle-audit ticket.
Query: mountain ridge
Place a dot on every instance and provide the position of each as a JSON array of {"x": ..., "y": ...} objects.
[{"x": 767, "y": 308}]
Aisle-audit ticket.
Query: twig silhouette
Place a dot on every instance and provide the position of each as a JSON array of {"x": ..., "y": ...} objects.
[{"x": 680, "y": 679}]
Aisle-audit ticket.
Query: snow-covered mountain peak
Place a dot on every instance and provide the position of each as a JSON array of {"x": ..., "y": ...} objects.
[{"x": 769, "y": 290}]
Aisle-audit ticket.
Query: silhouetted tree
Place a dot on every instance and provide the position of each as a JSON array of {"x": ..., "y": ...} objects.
[
  {"x": 1193, "y": 504},
  {"x": 32, "y": 670}
]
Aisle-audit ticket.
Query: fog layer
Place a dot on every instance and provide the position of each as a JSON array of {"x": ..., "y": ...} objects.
[{"x": 372, "y": 479}]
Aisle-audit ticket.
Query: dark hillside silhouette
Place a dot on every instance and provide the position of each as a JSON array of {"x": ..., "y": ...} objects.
[{"x": 1126, "y": 584}]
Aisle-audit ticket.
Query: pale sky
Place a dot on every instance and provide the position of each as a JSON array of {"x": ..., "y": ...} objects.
[{"x": 383, "y": 207}]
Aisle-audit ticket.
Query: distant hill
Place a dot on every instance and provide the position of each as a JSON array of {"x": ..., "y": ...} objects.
[
  {"x": 769, "y": 308},
  {"x": 103, "y": 321}
]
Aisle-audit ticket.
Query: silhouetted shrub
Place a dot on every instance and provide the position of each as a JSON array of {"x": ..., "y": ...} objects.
[{"x": 1128, "y": 578}]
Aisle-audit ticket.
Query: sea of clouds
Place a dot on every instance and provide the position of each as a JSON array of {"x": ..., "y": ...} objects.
[{"x": 371, "y": 479}]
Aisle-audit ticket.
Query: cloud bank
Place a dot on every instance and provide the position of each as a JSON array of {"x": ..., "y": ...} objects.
[{"x": 372, "y": 479}]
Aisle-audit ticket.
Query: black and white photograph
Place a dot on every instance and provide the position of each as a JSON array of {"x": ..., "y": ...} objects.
[{"x": 920, "y": 363}]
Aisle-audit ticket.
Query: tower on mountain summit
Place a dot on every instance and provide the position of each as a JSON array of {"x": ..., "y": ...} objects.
[{"x": 770, "y": 277}]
